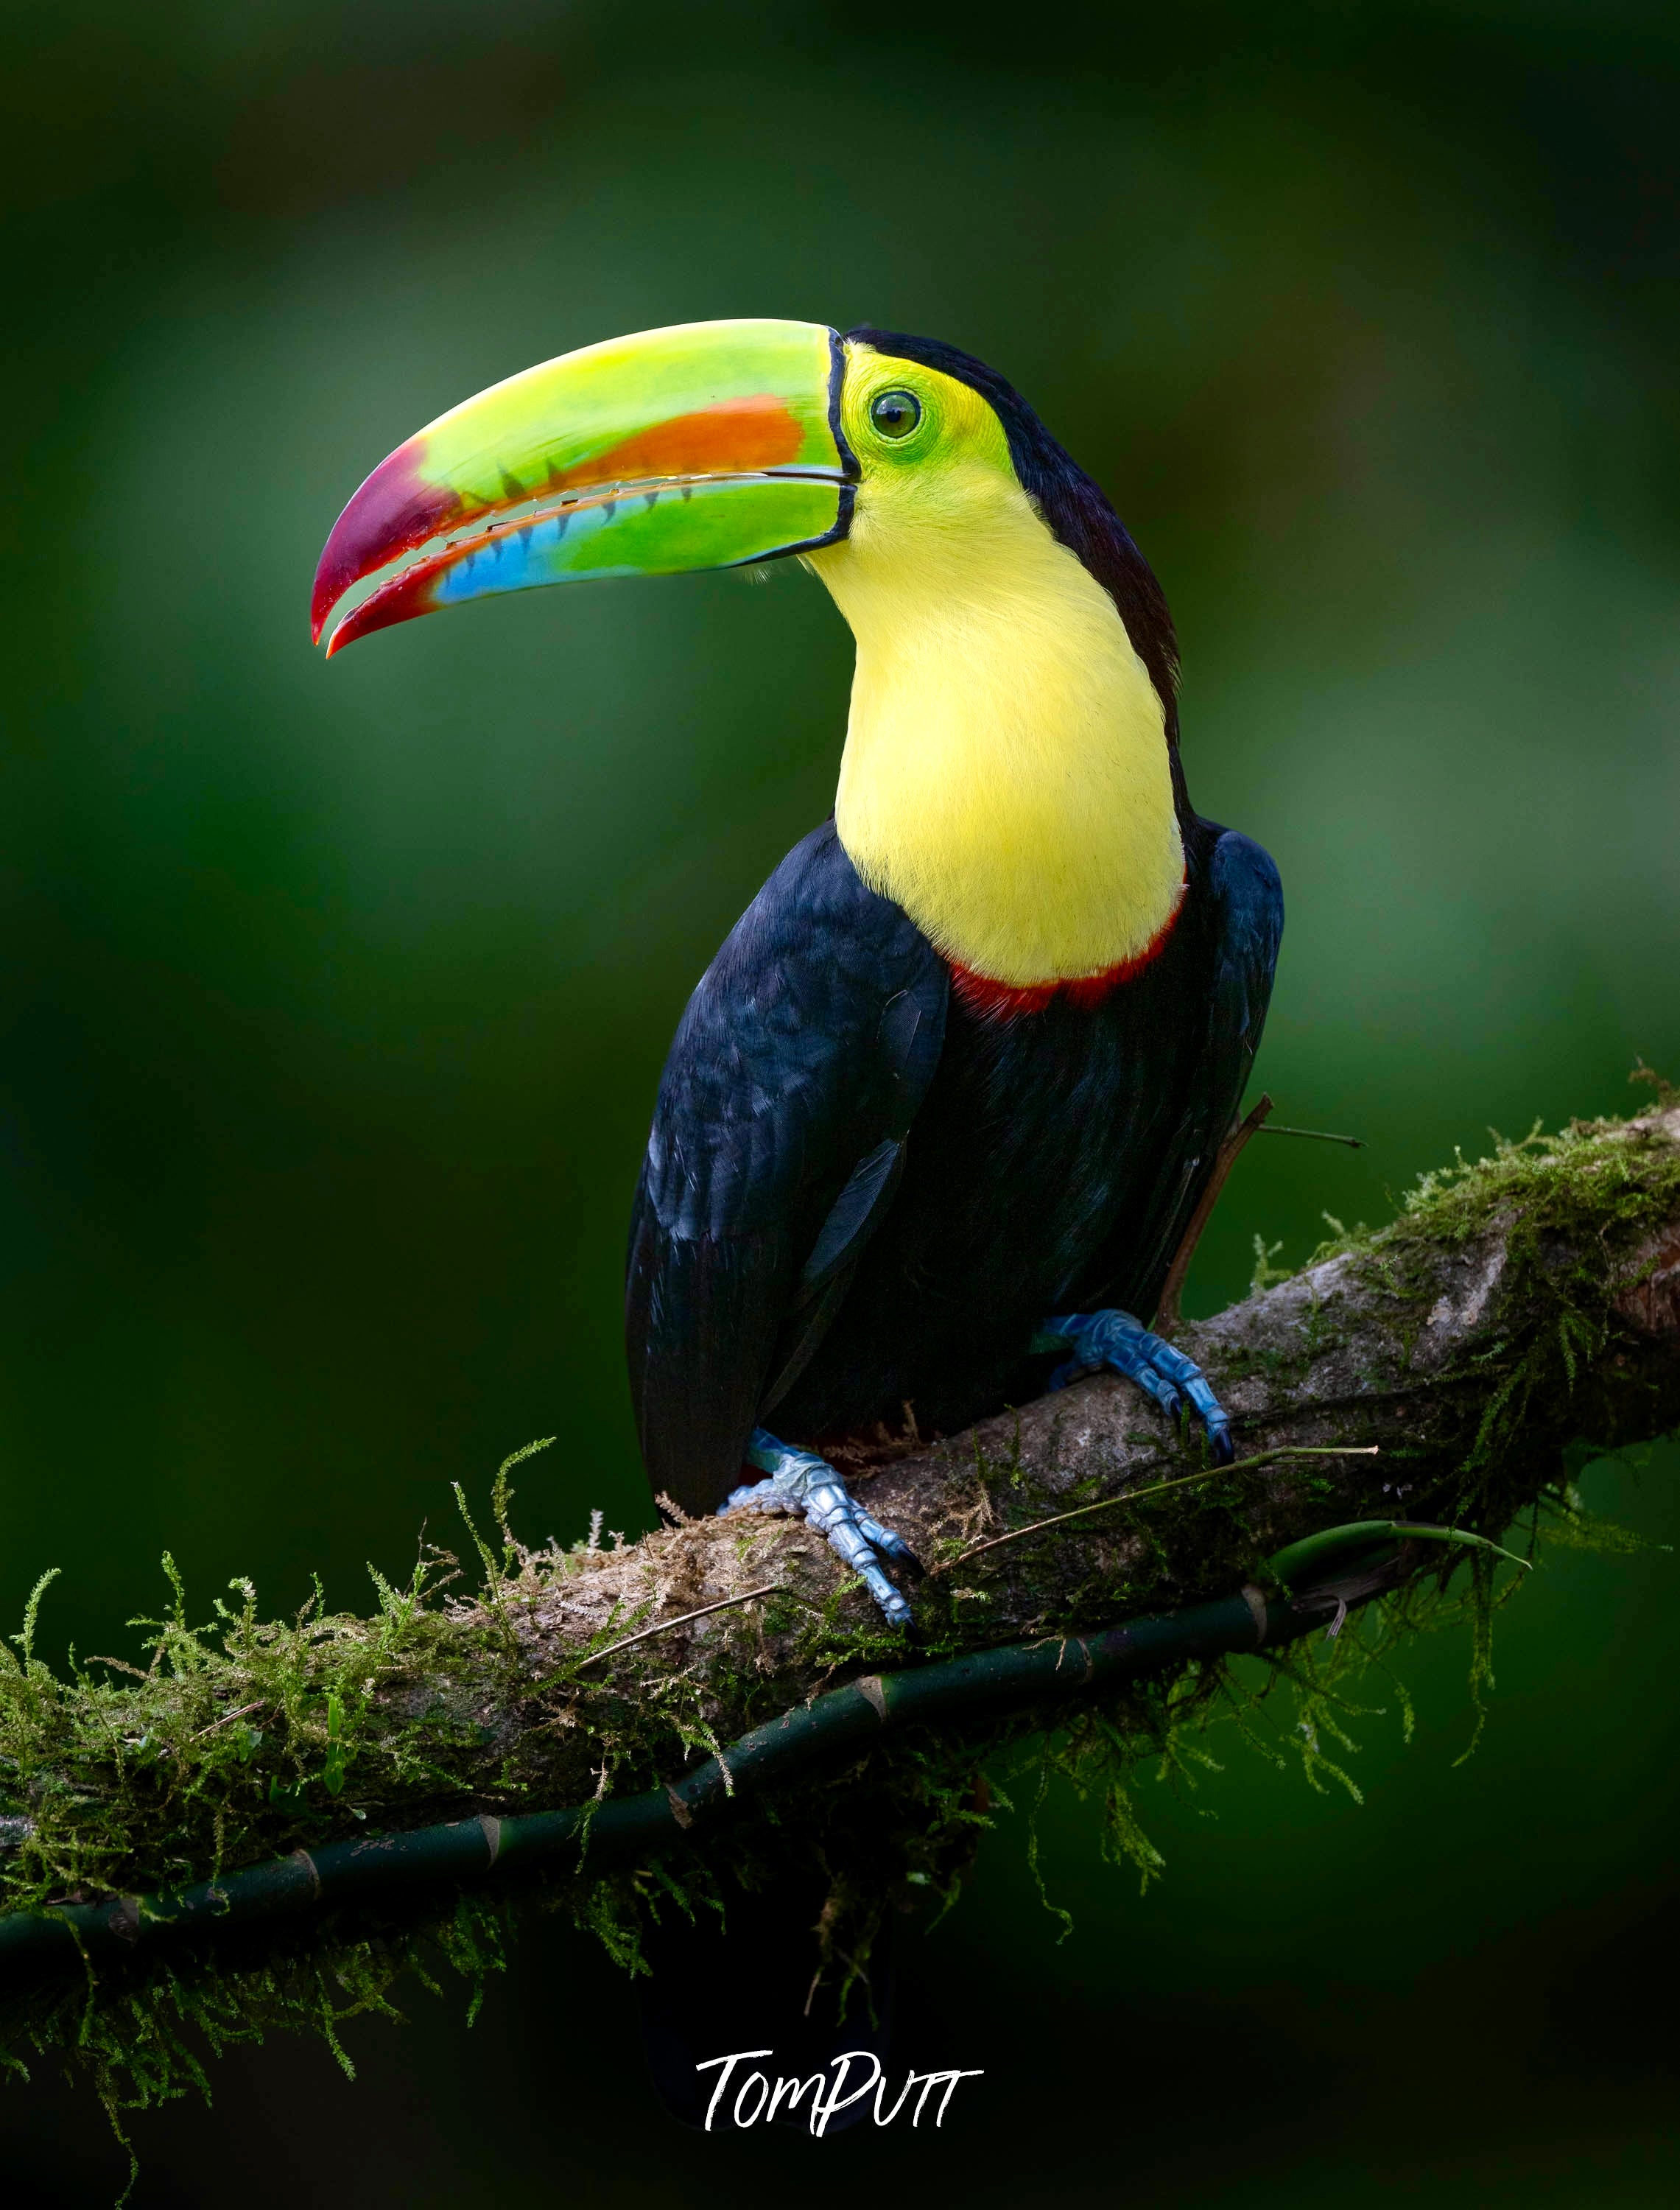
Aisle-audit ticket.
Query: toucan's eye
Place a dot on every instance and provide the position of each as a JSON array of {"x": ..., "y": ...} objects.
[{"x": 895, "y": 413}]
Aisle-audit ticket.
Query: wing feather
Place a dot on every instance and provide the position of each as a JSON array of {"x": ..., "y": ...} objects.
[
  {"x": 1245, "y": 901},
  {"x": 1247, "y": 895},
  {"x": 776, "y": 1147}
]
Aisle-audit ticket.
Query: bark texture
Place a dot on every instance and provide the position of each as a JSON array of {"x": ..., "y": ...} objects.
[
  {"x": 1518, "y": 1308},
  {"x": 1473, "y": 1343}
]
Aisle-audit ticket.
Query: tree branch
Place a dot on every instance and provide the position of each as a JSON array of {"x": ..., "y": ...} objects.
[{"x": 1515, "y": 1308}]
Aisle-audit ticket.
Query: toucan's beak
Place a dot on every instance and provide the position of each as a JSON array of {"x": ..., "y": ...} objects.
[{"x": 700, "y": 446}]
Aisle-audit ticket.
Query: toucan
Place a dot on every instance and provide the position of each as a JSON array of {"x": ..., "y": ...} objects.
[{"x": 938, "y": 1114}]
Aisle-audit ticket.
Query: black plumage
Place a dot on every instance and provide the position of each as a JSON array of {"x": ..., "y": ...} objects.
[
  {"x": 862, "y": 1188},
  {"x": 1016, "y": 1167}
]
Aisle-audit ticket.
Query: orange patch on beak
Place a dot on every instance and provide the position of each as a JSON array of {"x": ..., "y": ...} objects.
[{"x": 734, "y": 437}]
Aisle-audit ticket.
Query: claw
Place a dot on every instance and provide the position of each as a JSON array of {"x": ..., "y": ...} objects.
[
  {"x": 1116, "y": 1339},
  {"x": 883, "y": 1538},
  {"x": 807, "y": 1487}
]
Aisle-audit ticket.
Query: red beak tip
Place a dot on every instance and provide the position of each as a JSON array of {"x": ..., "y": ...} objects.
[{"x": 321, "y": 599}]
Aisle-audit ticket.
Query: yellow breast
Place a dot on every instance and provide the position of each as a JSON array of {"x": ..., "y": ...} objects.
[{"x": 1006, "y": 777}]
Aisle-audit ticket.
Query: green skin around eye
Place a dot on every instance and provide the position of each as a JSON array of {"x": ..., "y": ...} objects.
[{"x": 896, "y": 414}]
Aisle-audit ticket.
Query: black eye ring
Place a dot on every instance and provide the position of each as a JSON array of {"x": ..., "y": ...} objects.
[{"x": 895, "y": 413}]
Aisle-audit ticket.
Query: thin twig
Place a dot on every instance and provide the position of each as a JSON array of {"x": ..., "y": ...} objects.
[
  {"x": 1317, "y": 1135},
  {"x": 1172, "y": 1289},
  {"x": 723, "y": 1603},
  {"x": 1178, "y": 1481},
  {"x": 227, "y": 1718}
]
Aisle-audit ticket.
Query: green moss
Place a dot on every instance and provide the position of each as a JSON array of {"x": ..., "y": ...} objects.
[
  {"x": 1569, "y": 1209},
  {"x": 243, "y": 1737},
  {"x": 895, "y": 1827}
]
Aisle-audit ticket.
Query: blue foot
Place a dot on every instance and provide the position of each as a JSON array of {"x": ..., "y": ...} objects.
[
  {"x": 809, "y": 1487},
  {"x": 1116, "y": 1340}
]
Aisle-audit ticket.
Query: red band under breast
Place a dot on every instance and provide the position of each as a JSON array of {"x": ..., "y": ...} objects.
[{"x": 1005, "y": 1001}]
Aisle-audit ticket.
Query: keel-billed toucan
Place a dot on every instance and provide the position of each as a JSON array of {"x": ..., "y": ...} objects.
[{"x": 939, "y": 1111}]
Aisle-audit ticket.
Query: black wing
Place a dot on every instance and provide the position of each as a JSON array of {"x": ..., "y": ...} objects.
[
  {"x": 1245, "y": 899},
  {"x": 778, "y": 1142}
]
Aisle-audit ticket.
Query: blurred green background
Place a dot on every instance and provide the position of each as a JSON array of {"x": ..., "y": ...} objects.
[{"x": 334, "y": 998}]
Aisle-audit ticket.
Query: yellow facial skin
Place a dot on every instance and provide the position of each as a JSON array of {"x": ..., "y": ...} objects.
[{"x": 1005, "y": 778}]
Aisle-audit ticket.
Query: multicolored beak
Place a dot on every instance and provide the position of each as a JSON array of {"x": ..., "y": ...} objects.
[{"x": 705, "y": 445}]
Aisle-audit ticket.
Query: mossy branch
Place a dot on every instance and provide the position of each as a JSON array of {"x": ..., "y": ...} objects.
[{"x": 1519, "y": 1307}]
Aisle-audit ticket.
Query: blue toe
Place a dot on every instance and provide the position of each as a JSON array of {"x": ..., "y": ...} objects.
[
  {"x": 1118, "y": 1340},
  {"x": 799, "y": 1482}
]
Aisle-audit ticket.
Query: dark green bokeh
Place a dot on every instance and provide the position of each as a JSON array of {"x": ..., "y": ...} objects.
[{"x": 336, "y": 996}]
